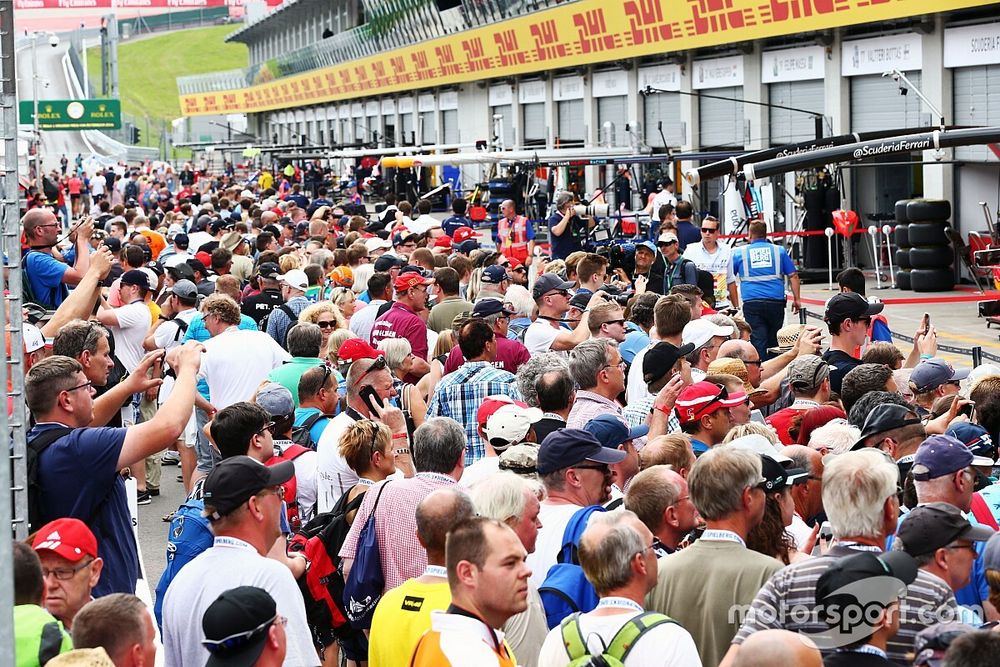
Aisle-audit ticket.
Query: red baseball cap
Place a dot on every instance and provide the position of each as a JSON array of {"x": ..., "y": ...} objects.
[
  {"x": 462, "y": 234},
  {"x": 204, "y": 257},
  {"x": 702, "y": 398},
  {"x": 514, "y": 262},
  {"x": 443, "y": 242},
  {"x": 69, "y": 538},
  {"x": 493, "y": 403},
  {"x": 407, "y": 280},
  {"x": 353, "y": 349}
]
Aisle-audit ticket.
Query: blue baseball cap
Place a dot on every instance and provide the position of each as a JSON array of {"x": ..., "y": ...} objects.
[
  {"x": 494, "y": 275},
  {"x": 648, "y": 245},
  {"x": 941, "y": 455},
  {"x": 974, "y": 436},
  {"x": 568, "y": 447},
  {"x": 612, "y": 431}
]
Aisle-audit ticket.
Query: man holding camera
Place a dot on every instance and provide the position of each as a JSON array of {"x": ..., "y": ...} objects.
[{"x": 564, "y": 226}]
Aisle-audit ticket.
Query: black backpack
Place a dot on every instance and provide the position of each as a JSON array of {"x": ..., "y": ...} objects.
[
  {"x": 301, "y": 435},
  {"x": 36, "y": 446}
]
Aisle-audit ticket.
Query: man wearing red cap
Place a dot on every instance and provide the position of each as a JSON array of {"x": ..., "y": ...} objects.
[
  {"x": 403, "y": 319},
  {"x": 703, "y": 412},
  {"x": 70, "y": 565},
  {"x": 502, "y": 422}
]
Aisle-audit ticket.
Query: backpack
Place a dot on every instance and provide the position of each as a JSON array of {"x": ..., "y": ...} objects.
[
  {"x": 366, "y": 582},
  {"x": 131, "y": 190},
  {"x": 28, "y": 293},
  {"x": 302, "y": 434},
  {"x": 262, "y": 325},
  {"x": 706, "y": 283},
  {"x": 188, "y": 536},
  {"x": 617, "y": 650},
  {"x": 36, "y": 446},
  {"x": 290, "y": 453},
  {"x": 566, "y": 590},
  {"x": 322, "y": 585},
  {"x": 518, "y": 331}
]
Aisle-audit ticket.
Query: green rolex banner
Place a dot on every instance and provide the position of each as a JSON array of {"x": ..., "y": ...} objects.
[{"x": 73, "y": 114}]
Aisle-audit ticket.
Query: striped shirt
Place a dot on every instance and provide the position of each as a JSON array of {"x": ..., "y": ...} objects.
[
  {"x": 928, "y": 600},
  {"x": 458, "y": 395}
]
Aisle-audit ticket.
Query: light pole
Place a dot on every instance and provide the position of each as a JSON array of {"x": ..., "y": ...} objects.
[{"x": 53, "y": 42}]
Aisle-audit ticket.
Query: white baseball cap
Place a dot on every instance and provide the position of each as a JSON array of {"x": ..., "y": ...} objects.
[
  {"x": 375, "y": 243},
  {"x": 296, "y": 278},
  {"x": 506, "y": 421},
  {"x": 33, "y": 338},
  {"x": 698, "y": 332}
]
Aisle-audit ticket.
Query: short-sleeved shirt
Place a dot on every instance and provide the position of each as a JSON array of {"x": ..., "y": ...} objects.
[
  {"x": 451, "y": 224},
  {"x": 762, "y": 278},
  {"x": 260, "y": 305},
  {"x": 510, "y": 355},
  {"x": 402, "y": 616},
  {"x": 316, "y": 432},
  {"x": 279, "y": 323},
  {"x": 444, "y": 313},
  {"x": 225, "y": 367},
  {"x": 401, "y": 322},
  {"x": 687, "y": 234},
  {"x": 538, "y": 337},
  {"x": 133, "y": 324},
  {"x": 718, "y": 263},
  {"x": 562, "y": 246},
  {"x": 841, "y": 364},
  {"x": 78, "y": 476},
  {"x": 363, "y": 319},
  {"x": 289, "y": 373},
  {"x": 45, "y": 273}
]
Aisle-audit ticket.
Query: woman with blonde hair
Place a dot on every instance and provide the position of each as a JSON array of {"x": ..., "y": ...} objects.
[
  {"x": 367, "y": 448},
  {"x": 753, "y": 428},
  {"x": 337, "y": 339},
  {"x": 345, "y": 301},
  {"x": 289, "y": 261},
  {"x": 326, "y": 316}
]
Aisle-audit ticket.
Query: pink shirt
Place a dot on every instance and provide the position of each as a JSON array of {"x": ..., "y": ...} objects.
[{"x": 401, "y": 322}]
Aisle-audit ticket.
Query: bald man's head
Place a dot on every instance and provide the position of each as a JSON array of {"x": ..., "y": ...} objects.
[
  {"x": 268, "y": 218},
  {"x": 777, "y": 647},
  {"x": 438, "y": 513}
]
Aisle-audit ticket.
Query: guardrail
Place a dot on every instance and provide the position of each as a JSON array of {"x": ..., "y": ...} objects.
[{"x": 976, "y": 353}]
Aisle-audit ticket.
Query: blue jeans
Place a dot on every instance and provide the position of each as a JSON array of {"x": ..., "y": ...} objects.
[{"x": 765, "y": 317}]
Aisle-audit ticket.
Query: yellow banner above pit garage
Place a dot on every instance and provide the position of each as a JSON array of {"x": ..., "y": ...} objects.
[{"x": 578, "y": 33}]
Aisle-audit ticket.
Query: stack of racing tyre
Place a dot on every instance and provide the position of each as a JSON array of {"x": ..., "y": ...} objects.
[{"x": 924, "y": 254}]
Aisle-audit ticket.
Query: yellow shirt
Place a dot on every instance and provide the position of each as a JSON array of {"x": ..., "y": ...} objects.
[
  {"x": 401, "y": 617},
  {"x": 266, "y": 180}
]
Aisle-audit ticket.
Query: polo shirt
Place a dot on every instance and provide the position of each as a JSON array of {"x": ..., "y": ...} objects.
[
  {"x": 78, "y": 477},
  {"x": 589, "y": 405},
  {"x": 229, "y": 563},
  {"x": 687, "y": 234},
  {"x": 510, "y": 355},
  {"x": 289, "y": 373},
  {"x": 782, "y": 419},
  {"x": 761, "y": 255},
  {"x": 401, "y": 322},
  {"x": 457, "y": 640},
  {"x": 45, "y": 273}
]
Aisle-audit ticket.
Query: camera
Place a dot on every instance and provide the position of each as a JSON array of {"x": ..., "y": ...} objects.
[{"x": 591, "y": 210}]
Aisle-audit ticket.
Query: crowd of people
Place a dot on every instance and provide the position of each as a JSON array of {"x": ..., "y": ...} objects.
[{"x": 404, "y": 440}]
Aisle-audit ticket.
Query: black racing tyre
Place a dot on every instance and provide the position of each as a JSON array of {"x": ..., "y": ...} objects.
[
  {"x": 902, "y": 236},
  {"x": 901, "y": 210},
  {"x": 903, "y": 279},
  {"x": 928, "y": 209},
  {"x": 931, "y": 257},
  {"x": 903, "y": 259},
  {"x": 932, "y": 280},
  {"x": 927, "y": 233}
]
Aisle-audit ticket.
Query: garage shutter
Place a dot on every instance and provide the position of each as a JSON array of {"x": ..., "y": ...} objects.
[
  {"x": 374, "y": 129},
  {"x": 534, "y": 123},
  {"x": 507, "y": 111},
  {"x": 346, "y": 131},
  {"x": 570, "y": 127},
  {"x": 976, "y": 103},
  {"x": 406, "y": 136},
  {"x": 449, "y": 127},
  {"x": 721, "y": 121},
  {"x": 429, "y": 131},
  {"x": 789, "y": 127},
  {"x": 665, "y": 107},
  {"x": 877, "y": 105},
  {"x": 613, "y": 110}
]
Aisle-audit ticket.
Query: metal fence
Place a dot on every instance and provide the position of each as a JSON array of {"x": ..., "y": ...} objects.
[{"x": 976, "y": 353}]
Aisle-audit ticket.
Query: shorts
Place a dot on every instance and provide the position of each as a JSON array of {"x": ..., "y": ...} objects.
[
  {"x": 208, "y": 456},
  {"x": 190, "y": 436}
]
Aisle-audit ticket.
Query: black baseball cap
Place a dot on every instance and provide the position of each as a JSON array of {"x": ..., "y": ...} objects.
[
  {"x": 182, "y": 240},
  {"x": 487, "y": 307},
  {"x": 548, "y": 282},
  {"x": 850, "y": 305},
  {"x": 135, "y": 277},
  {"x": 930, "y": 527},
  {"x": 885, "y": 417},
  {"x": 660, "y": 358},
  {"x": 269, "y": 270},
  {"x": 778, "y": 477},
  {"x": 181, "y": 271},
  {"x": 834, "y": 586},
  {"x": 219, "y": 225},
  {"x": 568, "y": 447},
  {"x": 113, "y": 244},
  {"x": 581, "y": 299},
  {"x": 234, "y": 480},
  {"x": 236, "y": 626},
  {"x": 385, "y": 262}
]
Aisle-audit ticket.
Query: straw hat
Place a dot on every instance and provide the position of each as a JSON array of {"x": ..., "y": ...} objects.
[
  {"x": 733, "y": 366},
  {"x": 787, "y": 338}
]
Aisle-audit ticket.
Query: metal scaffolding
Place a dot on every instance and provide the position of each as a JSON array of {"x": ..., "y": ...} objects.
[{"x": 13, "y": 506}]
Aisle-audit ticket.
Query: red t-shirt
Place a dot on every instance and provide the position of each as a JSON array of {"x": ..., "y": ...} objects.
[
  {"x": 510, "y": 355},
  {"x": 75, "y": 184},
  {"x": 401, "y": 322}
]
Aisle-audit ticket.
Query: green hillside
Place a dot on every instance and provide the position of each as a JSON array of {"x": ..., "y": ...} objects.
[{"x": 149, "y": 66}]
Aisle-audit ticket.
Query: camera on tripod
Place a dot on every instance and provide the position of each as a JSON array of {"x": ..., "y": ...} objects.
[{"x": 591, "y": 210}]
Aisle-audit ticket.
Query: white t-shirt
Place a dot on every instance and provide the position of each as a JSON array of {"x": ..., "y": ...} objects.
[
  {"x": 666, "y": 645},
  {"x": 719, "y": 264},
  {"x": 363, "y": 320},
  {"x": 636, "y": 390},
  {"x": 539, "y": 335},
  {"x": 168, "y": 336},
  {"x": 97, "y": 185},
  {"x": 133, "y": 323},
  {"x": 236, "y": 362},
  {"x": 422, "y": 223},
  {"x": 662, "y": 198},
  {"x": 305, "y": 480},
  {"x": 226, "y": 565},
  {"x": 333, "y": 476},
  {"x": 177, "y": 258},
  {"x": 554, "y": 519},
  {"x": 198, "y": 239},
  {"x": 481, "y": 469}
]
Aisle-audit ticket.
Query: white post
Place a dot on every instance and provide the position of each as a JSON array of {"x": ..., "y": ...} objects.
[
  {"x": 34, "y": 86},
  {"x": 829, "y": 256},
  {"x": 872, "y": 231},
  {"x": 886, "y": 230}
]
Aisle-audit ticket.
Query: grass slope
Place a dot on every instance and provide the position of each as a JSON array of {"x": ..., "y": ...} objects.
[{"x": 148, "y": 69}]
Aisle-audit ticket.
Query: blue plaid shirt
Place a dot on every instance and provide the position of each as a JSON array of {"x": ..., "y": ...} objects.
[{"x": 458, "y": 395}]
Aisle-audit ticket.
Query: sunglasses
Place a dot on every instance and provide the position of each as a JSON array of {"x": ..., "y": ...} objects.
[
  {"x": 379, "y": 365},
  {"x": 622, "y": 322},
  {"x": 326, "y": 325},
  {"x": 709, "y": 230},
  {"x": 229, "y": 644}
]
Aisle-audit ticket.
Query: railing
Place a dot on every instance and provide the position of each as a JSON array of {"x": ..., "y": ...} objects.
[
  {"x": 976, "y": 353},
  {"x": 391, "y": 25}
]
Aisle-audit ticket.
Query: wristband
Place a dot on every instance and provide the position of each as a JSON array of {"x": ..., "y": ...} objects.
[
  {"x": 400, "y": 436},
  {"x": 664, "y": 409},
  {"x": 924, "y": 357},
  {"x": 402, "y": 451}
]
